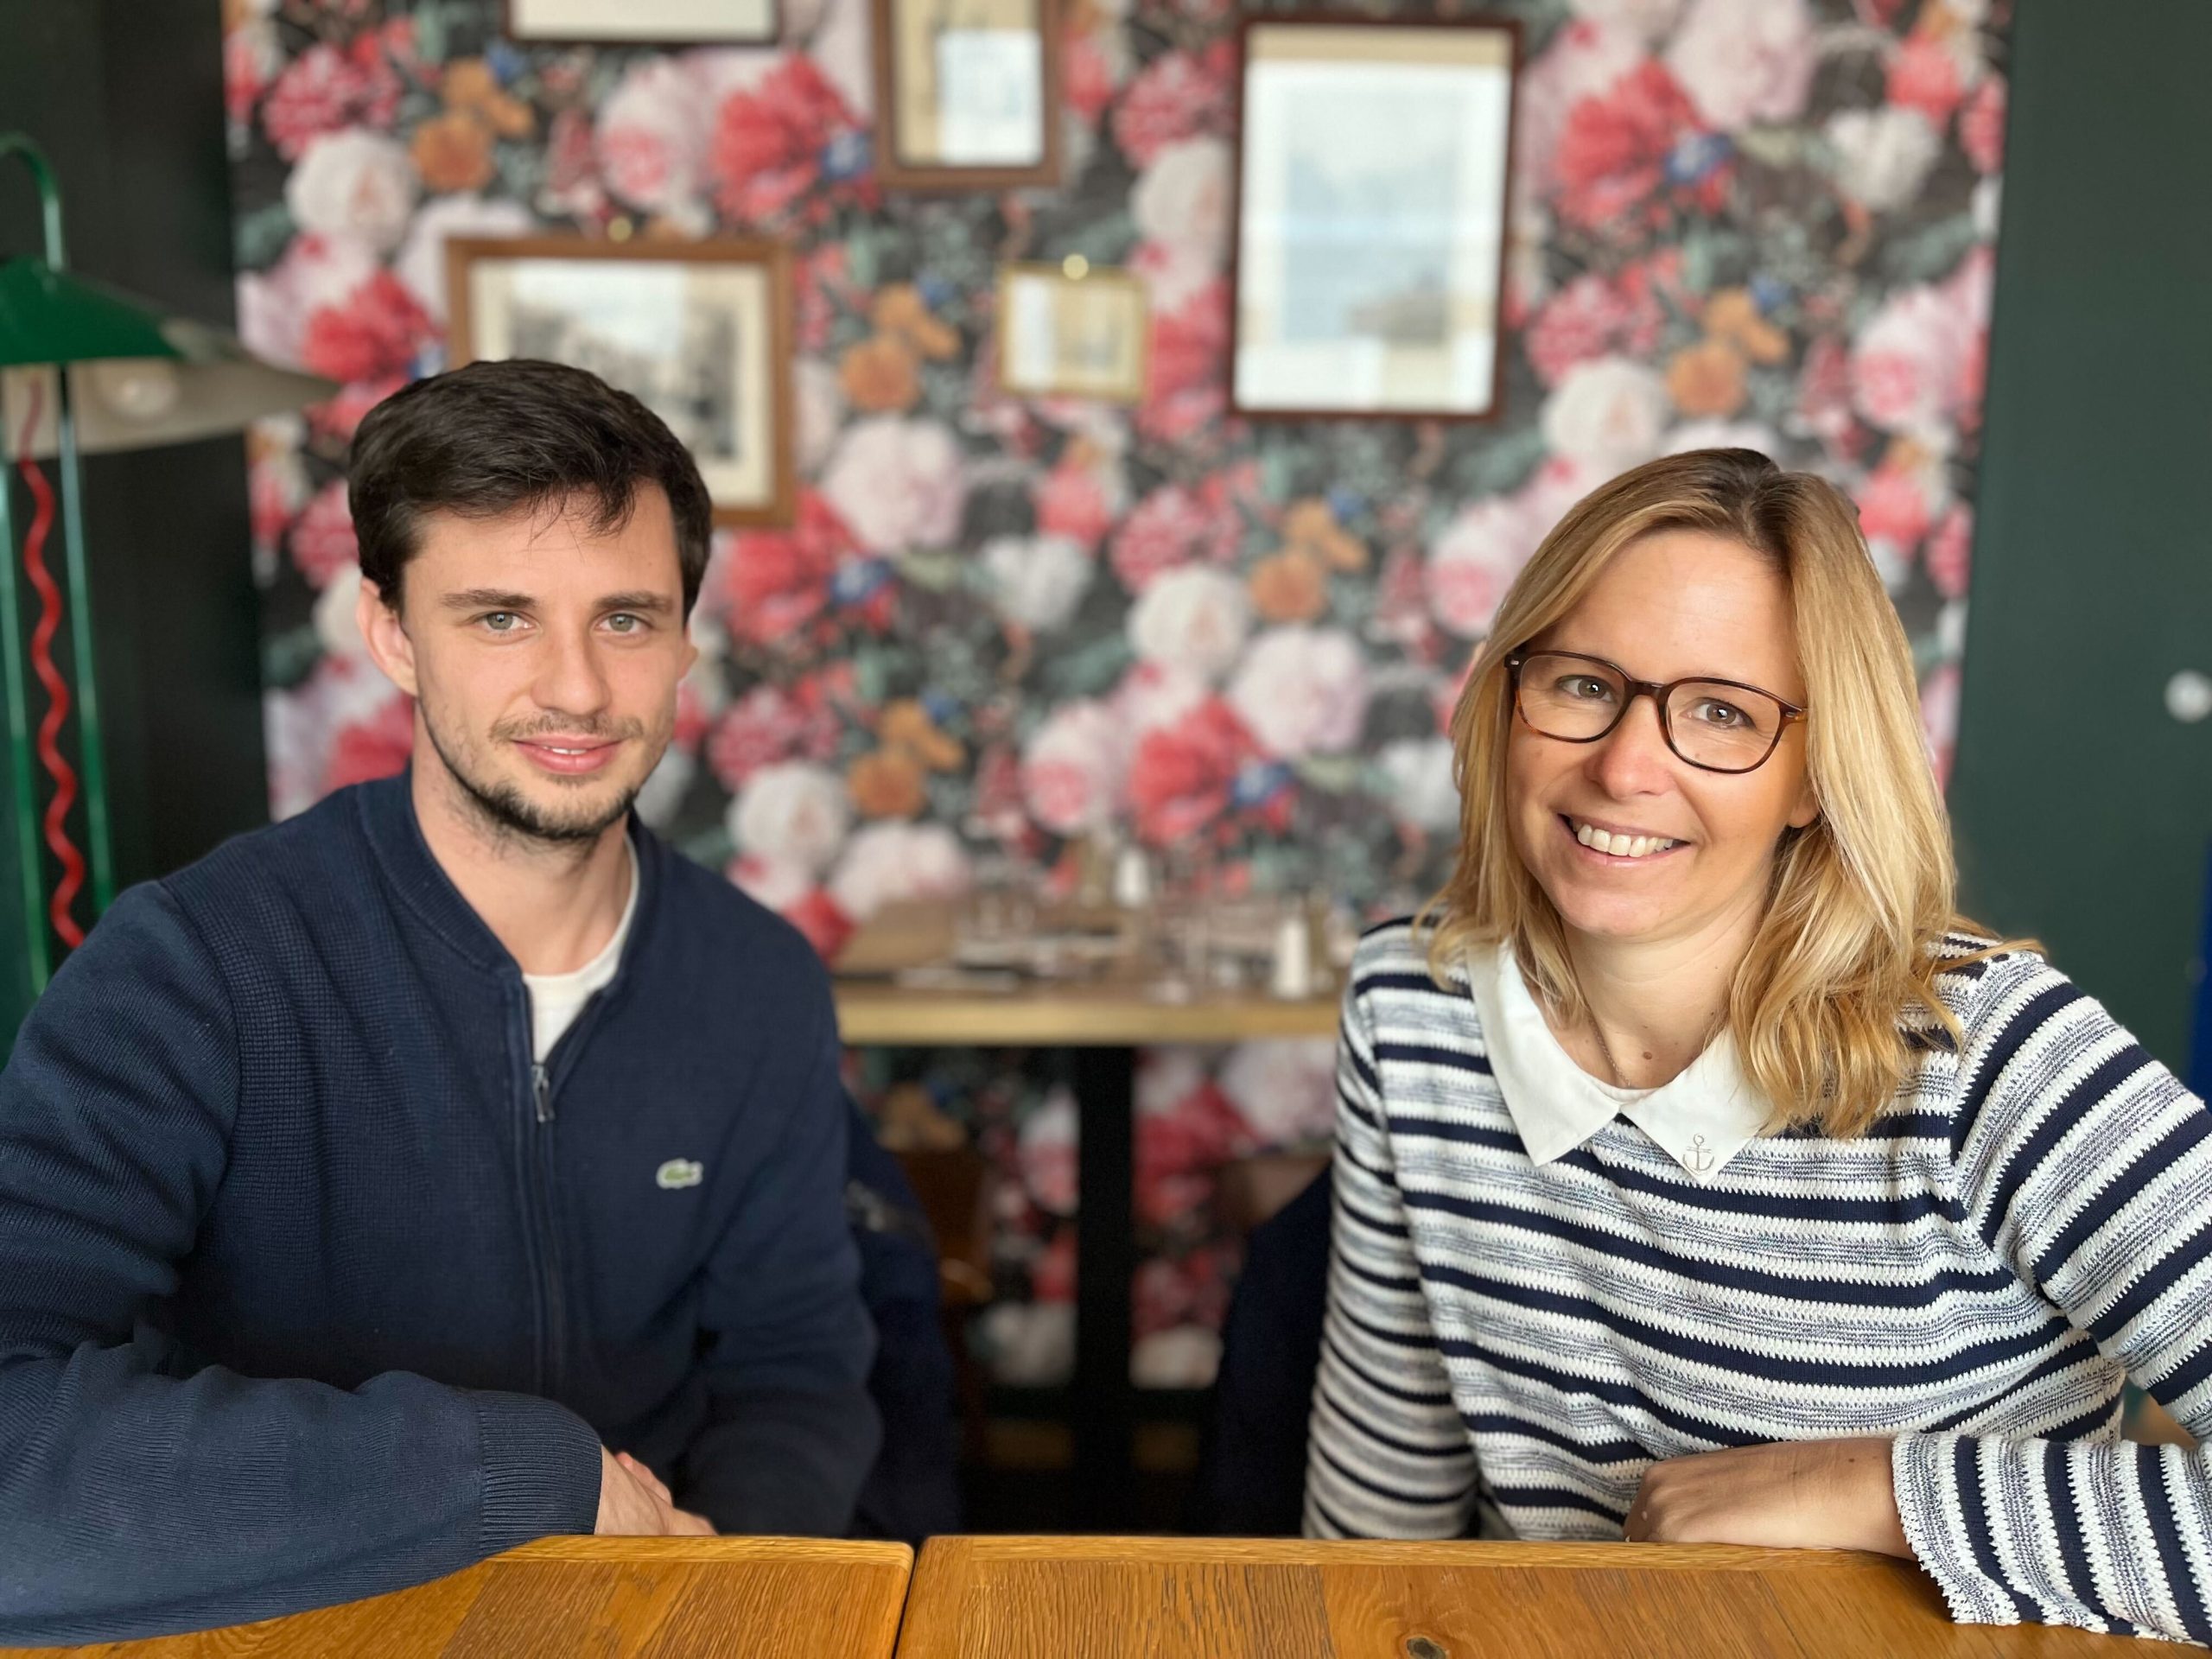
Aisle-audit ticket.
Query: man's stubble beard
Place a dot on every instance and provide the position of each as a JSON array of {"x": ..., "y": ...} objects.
[{"x": 504, "y": 810}]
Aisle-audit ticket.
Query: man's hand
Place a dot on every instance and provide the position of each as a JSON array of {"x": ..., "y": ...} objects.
[
  {"x": 1797, "y": 1495},
  {"x": 633, "y": 1502}
]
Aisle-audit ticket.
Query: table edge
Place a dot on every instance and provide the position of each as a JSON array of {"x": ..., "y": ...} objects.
[
  {"x": 830, "y": 1552},
  {"x": 952, "y": 1553}
]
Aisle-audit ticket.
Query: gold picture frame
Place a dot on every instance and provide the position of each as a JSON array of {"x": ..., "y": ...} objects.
[
  {"x": 642, "y": 22},
  {"x": 1073, "y": 330},
  {"x": 700, "y": 332},
  {"x": 967, "y": 94}
]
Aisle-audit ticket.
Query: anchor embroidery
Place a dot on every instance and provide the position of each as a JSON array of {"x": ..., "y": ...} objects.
[{"x": 1701, "y": 1155}]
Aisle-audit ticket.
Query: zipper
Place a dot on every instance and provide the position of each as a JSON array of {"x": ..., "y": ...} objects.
[{"x": 554, "y": 1327}]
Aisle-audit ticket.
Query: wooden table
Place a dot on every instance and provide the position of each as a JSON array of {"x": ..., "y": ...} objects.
[
  {"x": 1195, "y": 1598},
  {"x": 1099, "y": 1026},
  {"x": 608, "y": 1597}
]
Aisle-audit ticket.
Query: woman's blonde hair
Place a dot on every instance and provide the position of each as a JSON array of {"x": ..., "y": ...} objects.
[{"x": 1847, "y": 949}]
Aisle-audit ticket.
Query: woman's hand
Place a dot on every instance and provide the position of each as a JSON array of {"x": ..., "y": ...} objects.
[{"x": 1795, "y": 1494}]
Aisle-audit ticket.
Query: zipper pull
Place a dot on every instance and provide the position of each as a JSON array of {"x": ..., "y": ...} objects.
[{"x": 541, "y": 1088}]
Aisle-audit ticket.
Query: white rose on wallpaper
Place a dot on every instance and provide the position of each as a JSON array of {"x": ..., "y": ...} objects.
[
  {"x": 1037, "y": 581},
  {"x": 337, "y": 627},
  {"x": 1722, "y": 434},
  {"x": 1302, "y": 692},
  {"x": 1153, "y": 695},
  {"x": 421, "y": 265},
  {"x": 792, "y": 812},
  {"x": 1475, "y": 560},
  {"x": 891, "y": 863},
  {"x": 316, "y": 271},
  {"x": 1286, "y": 1090},
  {"x": 1743, "y": 61},
  {"x": 1419, "y": 770},
  {"x": 1647, "y": 18},
  {"x": 1181, "y": 201},
  {"x": 898, "y": 483},
  {"x": 777, "y": 883},
  {"x": 353, "y": 183},
  {"x": 1608, "y": 413},
  {"x": 651, "y": 136},
  {"x": 1046, "y": 1146},
  {"x": 1181, "y": 1356},
  {"x": 1909, "y": 366},
  {"x": 1075, "y": 768},
  {"x": 1883, "y": 156},
  {"x": 819, "y": 399},
  {"x": 1193, "y": 617}
]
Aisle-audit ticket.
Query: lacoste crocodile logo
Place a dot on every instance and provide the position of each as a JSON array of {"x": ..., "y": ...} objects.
[{"x": 678, "y": 1173}]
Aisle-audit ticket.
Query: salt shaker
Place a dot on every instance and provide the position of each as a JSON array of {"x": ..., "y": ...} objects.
[{"x": 1293, "y": 976}]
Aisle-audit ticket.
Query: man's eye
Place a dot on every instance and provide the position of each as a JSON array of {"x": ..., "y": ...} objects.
[
  {"x": 623, "y": 622},
  {"x": 502, "y": 621}
]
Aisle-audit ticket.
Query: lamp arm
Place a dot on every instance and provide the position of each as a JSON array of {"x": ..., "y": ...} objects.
[{"x": 19, "y": 145}]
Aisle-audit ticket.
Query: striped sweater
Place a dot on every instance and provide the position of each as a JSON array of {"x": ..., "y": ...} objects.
[{"x": 2027, "y": 1226}]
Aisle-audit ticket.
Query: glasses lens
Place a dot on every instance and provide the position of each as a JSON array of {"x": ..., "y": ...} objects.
[
  {"x": 1724, "y": 726},
  {"x": 1569, "y": 696}
]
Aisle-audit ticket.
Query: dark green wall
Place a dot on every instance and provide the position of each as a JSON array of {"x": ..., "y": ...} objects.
[
  {"x": 2083, "y": 808},
  {"x": 125, "y": 97}
]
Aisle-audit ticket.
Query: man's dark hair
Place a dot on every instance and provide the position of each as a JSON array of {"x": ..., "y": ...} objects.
[{"x": 494, "y": 438}]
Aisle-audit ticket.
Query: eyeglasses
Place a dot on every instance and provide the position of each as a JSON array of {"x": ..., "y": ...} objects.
[{"x": 1715, "y": 725}]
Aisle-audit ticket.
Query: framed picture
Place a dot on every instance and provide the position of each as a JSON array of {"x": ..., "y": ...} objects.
[
  {"x": 633, "y": 22},
  {"x": 699, "y": 331},
  {"x": 967, "y": 94},
  {"x": 1071, "y": 331},
  {"x": 1373, "y": 157}
]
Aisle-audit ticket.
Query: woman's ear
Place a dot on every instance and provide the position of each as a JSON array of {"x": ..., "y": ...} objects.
[{"x": 1808, "y": 807}]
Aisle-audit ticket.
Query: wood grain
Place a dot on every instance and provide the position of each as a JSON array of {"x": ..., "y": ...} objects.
[
  {"x": 606, "y": 1597},
  {"x": 1193, "y": 1598}
]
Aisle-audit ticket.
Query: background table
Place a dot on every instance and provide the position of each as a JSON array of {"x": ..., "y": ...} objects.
[
  {"x": 608, "y": 1597},
  {"x": 1192, "y": 1598},
  {"x": 1100, "y": 1025}
]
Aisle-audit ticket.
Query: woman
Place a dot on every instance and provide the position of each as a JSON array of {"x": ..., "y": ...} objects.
[{"x": 1699, "y": 1174}]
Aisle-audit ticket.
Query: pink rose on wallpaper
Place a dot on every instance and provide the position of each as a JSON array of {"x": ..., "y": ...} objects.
[
  {"x": 1926, "y": 75},
  {"x": 1824, "y": 395},
  {"x": 1286, "y": 1092},
  {"x": 572, "y": 183},
  {"x": 651, "y": 136},
  {"x": 1153, "y": 694},
  {"x": 1302, "y": 691},
  {"x": 1583, "y": 59},
  {"x": 1181, "y": 203},
  {"x": 354, "y": 183},
  {"x": 335, "y": 422},
  {"x": 1046, "y": 1143},
  {"x": 1910, "y": 366},
  {"x": 1982, "y": 124},
  {"x": 776, "y": 582},
  {"x": 375, "y": 745},
  {"x": 1180, "y": 1147},
  {"x": 767, "y": 725},
  {"x": 1939, "y": 718},
  {"x": 1894, "y": 508},
  {"x": 323, "y": 543},
  {"x": 315, "y": 271},
  {"x": 823, "y": 924},
  {"x": 1177, "y": 95},
  {"x": 1186, "y": 389},
  {"x": 900, "y": 484},
  {"x": 1475, "y": 560},
  {"x": 793, "y": 813},
  {"x": 374, "y": 334},
  {"x": 1075, "y": 768},
  {"x": 1744, "y": 61},
  {"x": 250, "y": 56},
  {"x": 1614, "y": 158},
  {"x": 1072, "y": 501},
  {"x": 324, "y": 89},
  {"x": 1183, "y": 774},
  {"x": 1194, "y": 618},
  {"x": 277, "y": 488},
  {"x": 1589, "y": 318},
  {"x": 1051, "y": 1275},
  {"x": 1170, "y": 527},
  {"x": 771, "y": 142},
  {"x": 1949, "y": 553},
  {"x": 1086, "y": 74},
  {"x": 897, "y": 862},
  {"x": 773, "y": 882}
]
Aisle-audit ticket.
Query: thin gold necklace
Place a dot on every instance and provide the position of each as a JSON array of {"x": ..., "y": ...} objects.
[{"x": 1620, "y": 1077}]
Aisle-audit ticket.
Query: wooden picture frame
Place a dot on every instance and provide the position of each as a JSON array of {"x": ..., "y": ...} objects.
[
  {"x": 642, "y": 22},
  {"x": 967, "y": 94},
  {"x": 699, "y": 331},
  {"x": 1073, "y": 331},
  {"x": 1373, "y": 168}
]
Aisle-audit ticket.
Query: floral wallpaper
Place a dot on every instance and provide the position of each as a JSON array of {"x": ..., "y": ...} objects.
[{"x": 1002, "y": 625}]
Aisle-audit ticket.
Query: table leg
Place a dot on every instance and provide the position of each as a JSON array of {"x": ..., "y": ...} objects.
[{"x": 1104, "y": 1080}]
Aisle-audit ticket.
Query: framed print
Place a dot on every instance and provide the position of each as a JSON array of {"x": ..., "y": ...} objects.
[
  {"x": 967, "y": 94},
  {"x": 633, "y": 22},
  {"x": 1070, "y": 331},
  {"x": 700, "y": 332},
  {"x": 1373, "y": 157}
]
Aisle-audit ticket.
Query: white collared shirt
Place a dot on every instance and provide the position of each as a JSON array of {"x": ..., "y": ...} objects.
[{"x": 1700, "y": 1119}]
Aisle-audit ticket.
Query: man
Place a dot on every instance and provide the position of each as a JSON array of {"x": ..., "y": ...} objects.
[{"x": 366, "y": 1187}]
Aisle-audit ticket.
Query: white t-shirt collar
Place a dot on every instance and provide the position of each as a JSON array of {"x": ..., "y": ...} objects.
[{"x": 1701, "y": 1118}]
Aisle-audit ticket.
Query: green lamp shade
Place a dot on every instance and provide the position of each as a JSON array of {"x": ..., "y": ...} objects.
[{"x": 137, "y": 379}]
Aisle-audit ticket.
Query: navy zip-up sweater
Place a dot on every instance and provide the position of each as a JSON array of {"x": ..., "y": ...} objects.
[{"x": 313, "y": 1286}]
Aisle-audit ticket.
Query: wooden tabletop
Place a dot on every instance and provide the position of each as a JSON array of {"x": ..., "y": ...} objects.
[
  {"x": 1197, "y": 1598},
  {"x": 607, "y": 1597},
  {"x": 1114, "y": 1010}
]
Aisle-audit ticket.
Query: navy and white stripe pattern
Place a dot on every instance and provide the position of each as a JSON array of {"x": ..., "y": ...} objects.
[{"x": 2028, "y": 1225}]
